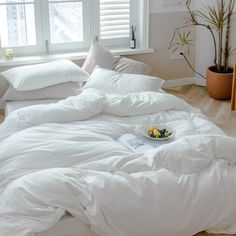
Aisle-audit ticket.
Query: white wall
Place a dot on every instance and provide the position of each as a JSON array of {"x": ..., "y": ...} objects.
[
  {"x": 164, "y": 18},
  {"x": 166, "y": 6}
]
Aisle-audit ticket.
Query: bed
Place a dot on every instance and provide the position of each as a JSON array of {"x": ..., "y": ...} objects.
[
  {"x": 69, "y": 162},
  {"x": 11, "y": 106},
  {"x": 68, "y": 225},
  {"x": 63, "y": 171}
]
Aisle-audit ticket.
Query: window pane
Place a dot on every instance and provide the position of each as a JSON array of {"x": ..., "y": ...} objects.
[
  {"x": 66, "y": 21},
  {"x": 17, "y": 25}
]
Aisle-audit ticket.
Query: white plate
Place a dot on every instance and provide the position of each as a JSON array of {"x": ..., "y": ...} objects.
[{"x": 144, "y": 132}]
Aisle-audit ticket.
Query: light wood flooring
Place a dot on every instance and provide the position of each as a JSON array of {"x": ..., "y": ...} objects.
[
  {"x": 218, "y": 111},
  {"x": 1, "y": 116}
]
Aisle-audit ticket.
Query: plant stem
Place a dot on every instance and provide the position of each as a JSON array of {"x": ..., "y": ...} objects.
[
  {"x": 221, "y": 9},
  {"x": 192, "y": 68},
  {"x": 227, "y": 36}
]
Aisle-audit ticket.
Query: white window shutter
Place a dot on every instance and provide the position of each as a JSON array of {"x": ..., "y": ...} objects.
[{"x": 114, "y": 19}]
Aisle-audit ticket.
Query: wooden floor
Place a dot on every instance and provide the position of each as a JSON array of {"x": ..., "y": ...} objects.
[
  {"x": 1, "y": 116},
  {"x": 218, "y": 111}
]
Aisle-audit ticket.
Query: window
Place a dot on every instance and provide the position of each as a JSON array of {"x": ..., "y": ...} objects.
[
  {"x": 17, "y": 23},
  {"x": 55, "y": 26}
]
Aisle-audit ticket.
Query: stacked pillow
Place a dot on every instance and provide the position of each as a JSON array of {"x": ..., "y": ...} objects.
[
  {"x": 100, "y": 56},
  {"x": 63, "y": 78},
  {"x": 112, "y": 74},
  {"x": 57, "y": 79},
  {"x": 127, "y": 65},
  {"x": 109, "y": 81}
]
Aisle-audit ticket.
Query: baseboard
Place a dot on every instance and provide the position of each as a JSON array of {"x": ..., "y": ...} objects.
[
  {"x": 178, "y": 82},
  {"x": 200, "y": 81}
]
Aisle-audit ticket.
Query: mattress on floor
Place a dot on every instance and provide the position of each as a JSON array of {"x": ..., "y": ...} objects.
[
  {"x": 11, "y": 106},
  {"x": 68, "y": 226}
]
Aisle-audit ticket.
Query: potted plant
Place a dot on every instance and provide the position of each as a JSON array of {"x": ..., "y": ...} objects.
[{"x": 217, "y": 19}]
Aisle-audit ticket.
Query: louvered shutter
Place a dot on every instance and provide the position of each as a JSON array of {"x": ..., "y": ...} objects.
[{"x": 114, "y": 19}]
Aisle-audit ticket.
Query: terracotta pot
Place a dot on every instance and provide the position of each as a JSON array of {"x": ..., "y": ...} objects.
[{"x": 219, "y": 85}]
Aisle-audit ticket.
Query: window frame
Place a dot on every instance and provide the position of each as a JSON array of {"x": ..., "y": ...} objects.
[
  {"x": 91, "y": 20},
  {"x": 65, "y": 47},
  {"x": 32, "y": 49}
]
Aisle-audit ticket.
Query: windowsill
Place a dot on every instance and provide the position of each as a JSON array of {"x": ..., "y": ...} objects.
[{"x": 16, "y": 61}]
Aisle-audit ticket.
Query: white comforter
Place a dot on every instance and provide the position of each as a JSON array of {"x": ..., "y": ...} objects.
[{"x": 64, "y": 158}]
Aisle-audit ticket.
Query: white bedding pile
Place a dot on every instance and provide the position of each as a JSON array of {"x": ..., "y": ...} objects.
[{"x": 64, "y": 158}]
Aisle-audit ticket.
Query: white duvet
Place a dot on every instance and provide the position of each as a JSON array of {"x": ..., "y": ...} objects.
[{"x": 64, "y": 157}]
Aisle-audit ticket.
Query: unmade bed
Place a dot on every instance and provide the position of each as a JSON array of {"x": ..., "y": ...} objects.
[{"x": 69, "y": 162}]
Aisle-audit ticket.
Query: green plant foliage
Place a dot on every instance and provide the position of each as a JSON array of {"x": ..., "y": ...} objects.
[
  {"x": 184, "y": 41},
  {"x": 217, "y": 20}
]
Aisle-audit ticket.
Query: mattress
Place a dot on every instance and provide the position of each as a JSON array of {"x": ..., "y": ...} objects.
[
  {"x": 103, "y": 177},
  {"x": 68, "y": 226},
  {"x": 11, "y": 106}
]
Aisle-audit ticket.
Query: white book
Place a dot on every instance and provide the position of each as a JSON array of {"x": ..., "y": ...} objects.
[
  {"x": 140, "y": 145},
  {"x": 134, "y": 144}
]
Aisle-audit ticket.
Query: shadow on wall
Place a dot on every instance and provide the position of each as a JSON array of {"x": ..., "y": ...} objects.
[{"x": 162, "y": 25}]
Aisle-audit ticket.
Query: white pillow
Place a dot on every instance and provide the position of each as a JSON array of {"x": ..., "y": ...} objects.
[
  {"x": 32, "y": 77},
  {"x": 127, "y": 65},
  {"x": 57, "y": 91},
  {"x": 98, "y": 55},
  {"x": 114, "y": 82}
]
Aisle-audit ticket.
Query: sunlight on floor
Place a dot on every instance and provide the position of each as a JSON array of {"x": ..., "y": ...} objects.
[{"x": 218, "y": 112}]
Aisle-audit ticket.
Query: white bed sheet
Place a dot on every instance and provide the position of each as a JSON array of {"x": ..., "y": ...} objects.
[
  {"x": 68, "y": 225},
  {"x": 73, "y": 164},
  {"x": 11, "y": 106}
]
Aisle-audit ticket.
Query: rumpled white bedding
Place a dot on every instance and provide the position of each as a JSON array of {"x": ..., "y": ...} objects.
[{"x": 64, "y": 157}]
